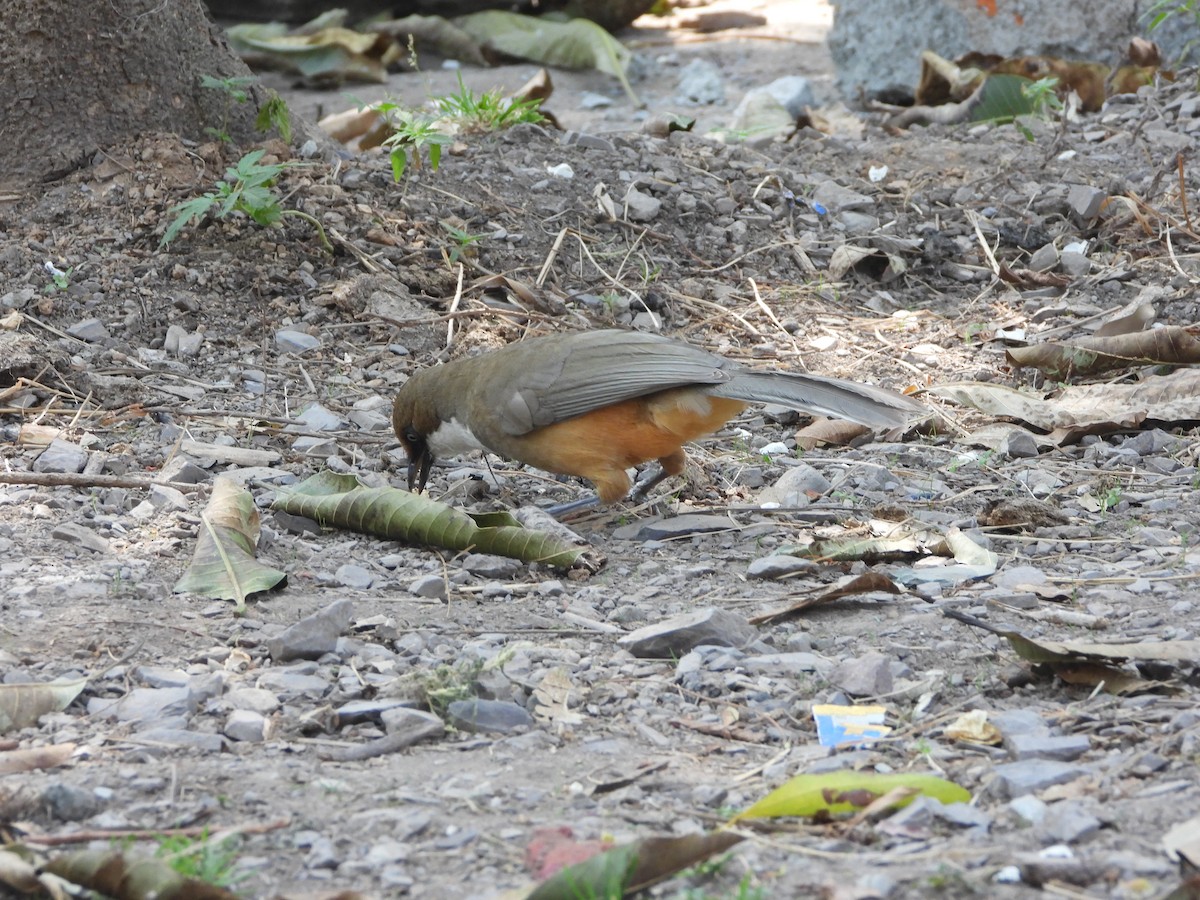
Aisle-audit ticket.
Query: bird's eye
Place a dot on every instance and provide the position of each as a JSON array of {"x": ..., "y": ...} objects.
[{"x": 411, "y": 435}]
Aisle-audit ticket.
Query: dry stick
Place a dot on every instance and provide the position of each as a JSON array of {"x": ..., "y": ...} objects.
[
  {"x": 149, "y": 834},
  {"x": 1183, "y": 190},
  {"x": 458, "y": 292},
  {"x": 540, "y": 281},
  {"x": 71, "y": 479},
  {"x": 758, "y": 300}
]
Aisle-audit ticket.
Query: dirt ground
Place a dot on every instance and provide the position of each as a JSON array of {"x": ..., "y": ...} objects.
[{"x": 741, "y": 257}]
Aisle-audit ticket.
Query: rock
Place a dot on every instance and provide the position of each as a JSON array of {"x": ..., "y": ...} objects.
[
  {"x": 1067, "y": 822},
  {"x": 677, "y": 635},
  {"x": 80, "y": 536},
  {"x": 316, "y": 417},
  {"x": 1018, "y": 443},
  {"x": 61, "y": 456},
  {"x": 876, "y": 45},
  {"x": 787, "y": 663},
  {"x": 69, "y": 803},
  {"x": 147, "y": 705},
  {"x": 488, "y": 716},
  {"x": 432, "y": 587},
  {"x": 1029, "y": 808},
  {"x": 90, "y": 330},
  {"x": 1042, "y": 746},
  {"x": 778, "y": 565},
  {"x": 179, "y": 737},
  {"x": 641, "y": 207},
  {"x": 313, "y": 635},
  {"x": 356, "y": 577},
  {"x": 798, "y": 486},
  {"x": 487, "y": 565},
  {"x": 290, "y": 682},
  {"x": 289, "y": 341},
  {"x": 247, "y": 725},
  {"x": 868, "y": 676},
  {"x": 1028, "y": 776},
  {"x": 254, "y": 699},
  {"x": 404, "y": 720}
]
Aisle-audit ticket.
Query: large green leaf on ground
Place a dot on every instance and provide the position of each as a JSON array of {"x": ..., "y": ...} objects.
[
  {"x": 341, "y": 501},
  {"x": 223, "y": 565},
  {"x": 575, "y": 44}
]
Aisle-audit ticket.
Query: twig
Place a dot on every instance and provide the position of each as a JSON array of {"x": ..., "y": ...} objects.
[
  {"x": 71, "y": 479},
  {"x": 148, "y": 834}
]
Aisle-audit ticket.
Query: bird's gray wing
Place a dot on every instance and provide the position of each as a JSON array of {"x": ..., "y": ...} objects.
[{"x": 593, "y": 369}]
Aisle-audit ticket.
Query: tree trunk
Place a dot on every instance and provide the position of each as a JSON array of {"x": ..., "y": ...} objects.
[{"x": 77, "y": 77}]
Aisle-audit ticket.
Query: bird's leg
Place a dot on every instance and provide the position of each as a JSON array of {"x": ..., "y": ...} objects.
[
  {"x": 567, "y": 509},
  {"x": 668, "y": 466}
]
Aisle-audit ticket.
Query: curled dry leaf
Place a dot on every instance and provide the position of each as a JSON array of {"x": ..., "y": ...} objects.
[{"x": 1174, "y": 345}]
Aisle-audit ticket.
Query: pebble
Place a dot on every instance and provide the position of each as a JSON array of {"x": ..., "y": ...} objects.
[
  {"x": 61, "y": 456},
  {"x": 495, "y": 716},
  {"x": 486, "y": 565},
  {"x": 247, "y": 725},
  {"x": 778, "y": 566},
  {"x": 798, "y": 486},
  {"x": 1032, "y": 775},
  {"x": 289, "y": 341},
  {"x": 313, "y": 636},
  {"x": 675, "y": 636},
  {"x": 867, "y": 676},
  {"x": 90, "y": 330}
]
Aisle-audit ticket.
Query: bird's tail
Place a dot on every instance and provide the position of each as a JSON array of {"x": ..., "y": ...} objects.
[{"x": 866, "y": 404}]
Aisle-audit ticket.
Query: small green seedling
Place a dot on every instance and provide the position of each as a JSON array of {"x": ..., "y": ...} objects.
[
  {"x": 272, "y": 114},
  {"x": 464, "y": 242},
  {"x": 248, "y": 188},
  {"x": 488, "y": 111},
  {"x": 415, "y": 132},
  {"x": 411, "y": 133},
  {"x": 59, "y": 280}
]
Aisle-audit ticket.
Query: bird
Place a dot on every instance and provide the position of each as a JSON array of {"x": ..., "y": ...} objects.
[{"x": 597, "y": 403}]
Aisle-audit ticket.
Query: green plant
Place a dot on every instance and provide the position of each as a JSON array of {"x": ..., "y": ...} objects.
[
  {"x": 201, "y": 858},
  {"x": 414, "y": 131},
  {"x": 248, "y": 188},
  {"x": 464, "y": 242},
  {"x": 411, "y": 132},
  {"x": 272, "y": 114},
  {"x": 1042, "y": 97},
  {"x": 488, "y": 111},
  {"x": 1110, "y": 499},
  {"x": 59, "y": 280}
]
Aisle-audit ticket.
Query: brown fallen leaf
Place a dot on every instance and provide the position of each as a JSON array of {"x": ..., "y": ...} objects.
[
  {"x": 828, "y": 433},
  {"x": 1173, "y": 345},
  {"x": 1021, "y": 515},
  {"x": 866, "y": 583}
]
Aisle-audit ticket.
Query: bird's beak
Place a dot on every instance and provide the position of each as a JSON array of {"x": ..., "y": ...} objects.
[{"x": 419, "y": 462}]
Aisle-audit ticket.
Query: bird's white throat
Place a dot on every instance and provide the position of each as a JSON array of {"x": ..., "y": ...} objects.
[{"x": 451, "y": 439}]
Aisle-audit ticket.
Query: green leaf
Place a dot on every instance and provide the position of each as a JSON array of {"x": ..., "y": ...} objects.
[
  {"x": 398, "y": 161},
  {"x": 575, "y": 44},
  {"x": 848, "y": 791},
  {"x": 223, "y": 565},
  {"x": 1002, "y": 99},
  {"x": 341, "y": 501},
  {"x": 435, "y": 154},
  {"x": 185, "y": 212},
  {"x": 274, "y": 114}
]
